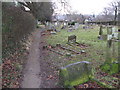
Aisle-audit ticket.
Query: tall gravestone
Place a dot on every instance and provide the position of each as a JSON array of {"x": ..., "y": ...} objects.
[
  {"x": 101, "y": 31},
  {"x": 111, "y": 63},
  {"x": 76, "y": 73},
  {"x": 49, "y": 25},
  {"x": 109, "y": 44},
  {"x": 102, "y": 36}
]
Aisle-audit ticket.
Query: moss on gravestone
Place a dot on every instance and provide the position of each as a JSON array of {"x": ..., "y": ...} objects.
[
  {"x": 110, "y": 68},
  {"x": 75, "y": 74}
]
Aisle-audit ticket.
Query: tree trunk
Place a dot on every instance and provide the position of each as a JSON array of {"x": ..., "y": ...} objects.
[{"x": 115, "y": 15}]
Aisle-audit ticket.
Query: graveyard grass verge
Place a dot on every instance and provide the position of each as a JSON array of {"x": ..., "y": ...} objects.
[{"x": 95, "y": 49}]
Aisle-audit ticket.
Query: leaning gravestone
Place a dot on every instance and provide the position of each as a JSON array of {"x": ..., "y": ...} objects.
[{"x": 76, "y": 73}]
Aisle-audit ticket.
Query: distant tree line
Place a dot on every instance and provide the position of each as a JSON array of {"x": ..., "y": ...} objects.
[{"x": 109, "y": 13}]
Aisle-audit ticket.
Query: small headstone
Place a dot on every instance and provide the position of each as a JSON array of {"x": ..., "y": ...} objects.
[
  {"x": 75, "y": 74},
  {"x": 70, "y": 30},
  {"x": 52, "y": 32},
  {"x": 76, "y": 25},
  {"x": 58, "y": 45},
  {"x": 68, "y": 54},
  {"x": 82, "y": 51},
  {"x": 72, "y": 39},
  {"x": 85, "y": 27}
]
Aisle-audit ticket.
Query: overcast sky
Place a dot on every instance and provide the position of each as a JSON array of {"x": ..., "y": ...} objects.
[
  {"x": 85, "y": 6},
  {"x": 89, "y": 6}
]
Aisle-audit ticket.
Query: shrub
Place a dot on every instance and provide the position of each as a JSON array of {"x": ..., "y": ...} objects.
[{"x": 16, "y": 25}]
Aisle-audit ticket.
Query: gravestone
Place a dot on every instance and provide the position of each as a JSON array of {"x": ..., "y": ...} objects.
[
  {"x": 85, "y": 27},
  {"x": 56, "y": 23},
  {"x": 49, "y": 25},
  {"x": 76, "y": 25},
  {"x": 70, "y": 29},
  {"x": 75, "y": 74},
  {"x": 112, "y": 37},
  {"x": 101, "y": 36},
  {"x": 114, "y": 33},
  {"x": 101, "y": 31},
  {"x": 52, "y": 32},
  {"x": 110, "y": 66},
  {"x": 72, "y": 39}
]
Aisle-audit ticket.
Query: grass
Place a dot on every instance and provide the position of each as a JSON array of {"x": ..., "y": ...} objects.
[{"x": 95, "y": 52}]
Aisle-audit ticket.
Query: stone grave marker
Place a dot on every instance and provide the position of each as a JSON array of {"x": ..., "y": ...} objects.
[
  {"x": 101, "y": 35},
  {"x": 115, "y": 33},
  {"x": 52, "y": 32},
  {"x": 76, "y": 73},
  {"x": 70, "y": 29},
  {"x": 72, "y": 39},
  {"x": 49, "y": 25},
  {"x": 76, "y": 25},
  {"x": 110, "y": 64},
  {"x": 85, "y": 27},
  {"x": 101, "y": 31},
  {"x": 55, "y": 23}
]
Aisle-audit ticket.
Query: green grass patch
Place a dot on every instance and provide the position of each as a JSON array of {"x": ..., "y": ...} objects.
[{"x": 96, "y": 51}]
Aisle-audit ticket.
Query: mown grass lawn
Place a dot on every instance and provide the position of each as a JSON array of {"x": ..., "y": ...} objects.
[{"x": 96, "y": 51}]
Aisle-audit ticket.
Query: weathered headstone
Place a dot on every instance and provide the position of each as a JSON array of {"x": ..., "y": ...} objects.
[
  {"x": 101, "y": 36},
  {"x": 76, "y": 26},
  {"x": 115, "y": 33},
  {"x": 110, "y": 64},
  {"x": 76, "y": 73},
  {"x": 84, "y": 27},
  {"x": 70, "y": 29},
  {"x": 109, "y": 44},
  {"x": 101, "y": 31},
  {"x": 72, "y": 39},
  {"x": 52, "y": 32},
  {"x": 49, "y": 25}
]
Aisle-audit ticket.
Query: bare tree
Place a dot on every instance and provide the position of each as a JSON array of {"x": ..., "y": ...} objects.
[
  {"x": 119, "y": 13},
  {"x": 114, "y": 6},
  {"x": 41, "y": 10},
  {"x": 109, "y": 13}
]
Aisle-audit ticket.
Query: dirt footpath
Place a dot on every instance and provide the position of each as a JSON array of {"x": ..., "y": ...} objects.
[
  {"x": 31, "y": 78},
  {"x": 39, "y": 71}
]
